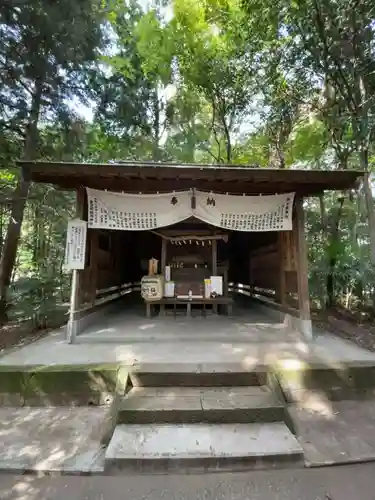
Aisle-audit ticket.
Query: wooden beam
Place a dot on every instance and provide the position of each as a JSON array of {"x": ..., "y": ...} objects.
[
  {"x": 193, "y": 171},
  {"x": 302, "y": 271},
  {"x": 137, "y": 185}
]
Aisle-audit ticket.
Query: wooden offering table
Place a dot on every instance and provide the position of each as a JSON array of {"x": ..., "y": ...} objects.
[
  {"x": 189, "y": 264},
  {"x": 227, "y": 302}
]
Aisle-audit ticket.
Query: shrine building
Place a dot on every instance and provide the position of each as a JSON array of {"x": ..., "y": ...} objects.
[{"x": 191, "y": 241}]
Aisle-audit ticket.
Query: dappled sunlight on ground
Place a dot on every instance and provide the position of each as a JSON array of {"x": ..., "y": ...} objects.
[
  {"x": 318, "y": 403},
  {"x": 302, "y": 347},
  {"x": 104, "y": 331},
  {"x": 249, "y": 362},
  {"x": 126, "y": 326},
  {"x": 291, "y": 364},
  {"x": 147, "y": 326},
  {"x": 237, "y": 350},
  {"x": 248, "y": 339},
  {"x": 24, "y": 489},
  {"x": 51, "y": 439}
]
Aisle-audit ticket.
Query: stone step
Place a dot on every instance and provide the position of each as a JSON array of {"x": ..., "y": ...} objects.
[
  {"x": 146, "y": 405},
  {"x": 196, "y": 376},
  {"x": 335, "y": 383},
  {"x": 197, "y": 447}
]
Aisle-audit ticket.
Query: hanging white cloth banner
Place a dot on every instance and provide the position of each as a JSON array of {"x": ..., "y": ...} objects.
[
  {"x": 75, "y": 250},
  {"x": 136, "y": 212},
  {"x": 246, "y": 213},
  {"x": 143, "y": 212}
]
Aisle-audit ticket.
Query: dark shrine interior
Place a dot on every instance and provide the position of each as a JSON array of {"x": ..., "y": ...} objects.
[{"x": 130, "y": 251}]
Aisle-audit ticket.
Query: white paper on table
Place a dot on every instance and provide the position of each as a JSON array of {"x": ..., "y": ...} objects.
[
  {"x": 167, "y": 273},
  {"x": 217, "y": 285},
  {"x": 169, "y": 289}
]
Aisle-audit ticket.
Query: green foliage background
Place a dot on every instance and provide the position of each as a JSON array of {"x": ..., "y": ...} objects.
[{"x": 270, "y": 83}]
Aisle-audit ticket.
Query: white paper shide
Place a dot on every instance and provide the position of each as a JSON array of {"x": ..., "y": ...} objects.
[{"x": 75, "y": 250}]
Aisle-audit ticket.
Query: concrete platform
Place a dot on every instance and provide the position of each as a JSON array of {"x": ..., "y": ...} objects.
[
  {"x": 201, "y": 446},
  {"x": 128, "y": 326},
  {"x": 64, "y": 440},
  {"x": 335, "y": 432},
  {"x": 193, "y": 405},
  {"x": 209, "y": 350}
]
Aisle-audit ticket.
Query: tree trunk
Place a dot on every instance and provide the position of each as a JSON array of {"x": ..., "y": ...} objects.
[
  {"x": 228, "y": 143},
  {"x": 20, "y": 194},
  {"x": 369, "y": 201},
  {"x": 279, "y": 146},
  {"x": 323, "y": 217},
  {"x": 330, "y": 283},
  {"x": 371, "y": 215},
  {"x": 324, "y": 237},
  {"x": 330, "y": 288},
  {"x": 156, "y": 125},
  {"x": 1, "y": 227}
]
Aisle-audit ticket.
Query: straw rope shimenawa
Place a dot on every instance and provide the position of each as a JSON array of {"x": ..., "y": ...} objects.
[{"x": 223, "y": 237}]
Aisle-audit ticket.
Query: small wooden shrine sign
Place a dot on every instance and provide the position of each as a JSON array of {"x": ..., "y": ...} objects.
[{"x": 75, "y": 250}]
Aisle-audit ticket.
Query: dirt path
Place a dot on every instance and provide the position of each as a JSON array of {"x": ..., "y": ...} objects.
[
  {"x": 18, "y": 334},
  {"x": 324, "y": 483},
  {"x": 348, "y": 326}
]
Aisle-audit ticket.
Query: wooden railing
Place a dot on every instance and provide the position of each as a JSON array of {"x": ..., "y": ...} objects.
[
  {"x": 263, "y": 296},
  {"x": 106, "y": 295},
  {"x": 240, "y": 288},
  {"x": 113, "y": 292},
  {"x": 251, "y": 291}
]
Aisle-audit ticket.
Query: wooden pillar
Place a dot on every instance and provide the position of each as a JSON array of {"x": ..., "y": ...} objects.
[
  {"x": 94, "y": 263},
  {"x": 251, "y": 276},
  {"x": 214, "y": 268},
  {"x": 163, "y": 255},
  {"x": 80, "y": 214},
  {"x": 281, "y": 291},
  {"x": 118, "y": 245},
  {"x": 75, "y": 294},
  {"x": 302, "y": 272},
  {"x": 214, "y": 257}
]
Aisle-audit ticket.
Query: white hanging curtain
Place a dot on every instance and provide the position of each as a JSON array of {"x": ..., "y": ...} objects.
[
  {"x": 246, "y": 213},
  {"x": 136, "y": 212},
  {"x": 144, "y": 212}
]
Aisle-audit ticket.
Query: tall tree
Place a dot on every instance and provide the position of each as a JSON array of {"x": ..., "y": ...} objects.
[
  {"x": 214, "y": 55},
  {"x": 334, "y": 42},
  {"x": 43, "y": 51}
]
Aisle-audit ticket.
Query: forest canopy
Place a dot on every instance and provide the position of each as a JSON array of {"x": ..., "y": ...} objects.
[{"x": 268, "y": 83}]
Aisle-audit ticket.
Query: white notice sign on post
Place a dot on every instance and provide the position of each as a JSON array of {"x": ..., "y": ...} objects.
[{"x": 75, "y": 250}]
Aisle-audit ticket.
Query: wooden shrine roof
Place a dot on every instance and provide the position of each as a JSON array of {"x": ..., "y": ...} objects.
[{"x": 150, "y": 177}]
